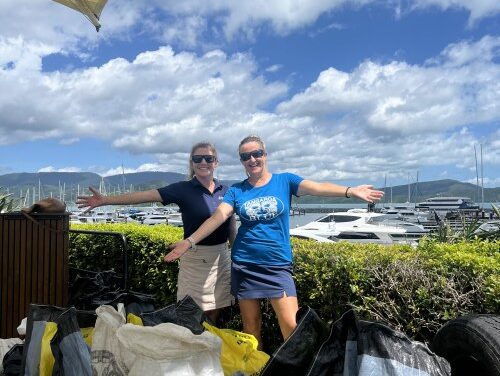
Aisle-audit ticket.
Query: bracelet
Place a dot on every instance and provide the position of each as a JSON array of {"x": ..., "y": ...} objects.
[
  {"x": 347, "y": 190},
  {"x": 192, "y": 243}
]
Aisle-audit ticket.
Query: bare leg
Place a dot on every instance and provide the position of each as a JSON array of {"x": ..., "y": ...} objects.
[
  {"x": 251, "y": 317},
  {"x": 286, "y": 309}
]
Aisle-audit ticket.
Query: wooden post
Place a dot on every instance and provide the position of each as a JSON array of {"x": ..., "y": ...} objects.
[{"x": 33, "y": 265}]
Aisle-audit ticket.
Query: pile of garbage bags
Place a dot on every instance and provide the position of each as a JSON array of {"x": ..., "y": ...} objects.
[
  {"x": 176, "y": 340},
  {"x": 108, "y": 331}
]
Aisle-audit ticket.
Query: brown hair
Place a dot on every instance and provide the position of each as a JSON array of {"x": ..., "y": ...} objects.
[
  {"x": 203, "y": 144},
  {"x": 252, "y": 138}
]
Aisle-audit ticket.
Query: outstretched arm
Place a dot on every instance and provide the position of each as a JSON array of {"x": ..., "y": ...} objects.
[
  {"x": 364, "y": 192},
  {"x": 97, "y": 199},
  {"x": 221, "y": 214}
]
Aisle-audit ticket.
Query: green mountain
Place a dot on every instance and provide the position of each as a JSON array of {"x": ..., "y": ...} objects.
[
  {"x": 421, "y": 191},
  {"x": 55, "y": 183}
]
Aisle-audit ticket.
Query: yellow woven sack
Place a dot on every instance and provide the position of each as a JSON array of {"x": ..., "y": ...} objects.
[
  {"x": 239, "y": 351},
  {"x": 46, "y": 358}
]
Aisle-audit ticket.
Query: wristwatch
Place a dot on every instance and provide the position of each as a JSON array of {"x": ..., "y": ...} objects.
[{"x": 192, "y": 245}]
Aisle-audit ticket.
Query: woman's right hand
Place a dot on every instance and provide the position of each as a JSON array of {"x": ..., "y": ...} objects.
[
  {"x": 177, "y": 250},
  {"x": 90, "y": 202}
]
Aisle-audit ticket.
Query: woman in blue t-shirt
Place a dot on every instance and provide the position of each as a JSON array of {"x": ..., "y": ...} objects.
[
  {"x": 205, "y": 273},
  {"x": 261, "y": 253}
]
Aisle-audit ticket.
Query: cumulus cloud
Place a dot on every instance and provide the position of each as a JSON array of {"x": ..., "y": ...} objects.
[
  {"x": 161, "y": 101},
  {"x": 461, "y": 87},
  {"x": 64, "y": 169},
  {"x": 249, "y": 17},
  {"x": 64, "y": 29},
  {"x": 477, "y": 9}
]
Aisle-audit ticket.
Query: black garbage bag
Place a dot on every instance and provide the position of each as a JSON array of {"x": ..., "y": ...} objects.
[
  {"x": 71, "y": 353},
  {"x": 38, "y": 316},
  {"x": 355, "y": 348},
  {"x": 185, "y": 313},
  {"x": 12, "y": 360},
  {"x": 86, "y": 285},
  {"x": 134, "y": 302},
  {"x": 296, "y": 354}
]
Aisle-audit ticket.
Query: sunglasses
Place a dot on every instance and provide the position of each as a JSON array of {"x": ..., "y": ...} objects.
[
  {"x": 256, "y": 154},
  {"x": 207, "y": 158}
]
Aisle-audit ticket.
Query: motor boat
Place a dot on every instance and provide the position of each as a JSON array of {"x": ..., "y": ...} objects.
[
  {"x": 407, "y": 214},
  {"x": 447, "y": 204},
  {"x": 175, "y": 219},
  {"x": 297, "y": 233},
  {"x": 361, "y": 226},
  {"x": 94, "y": 217},
  {"x": 154, "y": 219},
  {"x": 489, "y": 227}
]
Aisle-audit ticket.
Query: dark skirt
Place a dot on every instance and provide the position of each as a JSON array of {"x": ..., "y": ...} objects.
[{"x": 252, "y": 281}]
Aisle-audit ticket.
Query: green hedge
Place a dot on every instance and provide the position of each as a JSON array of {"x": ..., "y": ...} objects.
[{"x": 413, "y": 290}]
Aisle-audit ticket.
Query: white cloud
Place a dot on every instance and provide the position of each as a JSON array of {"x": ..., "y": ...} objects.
[
  {"x": 344, "y": 126},
  {"x": 249, "y": 16},
  {"x": 477, "y": 9},
  {"x": 65, "y": 29},
  {"x": 461, "y": 87},
  {"x": 63, "y": 169},
  {"x": 274, "y": 68}
]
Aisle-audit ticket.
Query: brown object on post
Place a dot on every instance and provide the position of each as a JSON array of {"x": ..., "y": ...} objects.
[{"x": 47, "y": 205}]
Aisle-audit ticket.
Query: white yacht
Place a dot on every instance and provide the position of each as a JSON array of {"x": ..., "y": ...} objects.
[
  {"x": 360, "y": 226},
  {"x": 154, "y": 219},
  {"x": 447, "y": 204},
  {"x": 298, "y": 233},
  {"x": 175, "y": 219},
  {"x": 94, "y": 217},
  {"x": 407, "y": 213}
]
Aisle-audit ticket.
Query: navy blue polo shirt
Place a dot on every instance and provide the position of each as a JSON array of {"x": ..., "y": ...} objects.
[{"x": 196, "y": 204}]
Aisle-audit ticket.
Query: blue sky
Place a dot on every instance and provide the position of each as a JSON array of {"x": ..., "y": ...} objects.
[{"x": 346, "y": 91}]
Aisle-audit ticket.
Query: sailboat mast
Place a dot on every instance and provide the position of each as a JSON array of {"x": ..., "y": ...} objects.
[
  {"x": 482, "y": 176},
  {"x": 123, "y": 179},
  {"x": 385, "y": 184},
  {"x": 409, "y": 188},
  {"x": 477, "y": 175},
  {"x": 416, "y": 190}
]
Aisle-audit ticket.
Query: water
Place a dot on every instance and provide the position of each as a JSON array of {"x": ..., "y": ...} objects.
[{"x": 303, "y": 219}]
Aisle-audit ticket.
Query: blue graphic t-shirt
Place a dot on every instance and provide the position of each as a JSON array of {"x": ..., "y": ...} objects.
[{"x": 264, "y": 234}]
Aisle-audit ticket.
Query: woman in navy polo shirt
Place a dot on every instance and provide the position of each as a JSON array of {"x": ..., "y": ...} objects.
[
  {"x": 204, "y": 273},
  {"x": 261, "y": 253}
]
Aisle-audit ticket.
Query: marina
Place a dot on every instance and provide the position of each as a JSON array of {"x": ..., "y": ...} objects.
[{"x": 395, "y": 223}]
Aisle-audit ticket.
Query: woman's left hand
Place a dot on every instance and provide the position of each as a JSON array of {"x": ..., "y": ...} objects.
[
  {"x": 177, "y": 250},
  {"x": 366, "y": 192}
]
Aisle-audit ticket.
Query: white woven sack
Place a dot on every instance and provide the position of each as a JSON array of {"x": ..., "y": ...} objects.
[
  {"x": 170, "y": 349},
  {"x": 108, "y": 355}
]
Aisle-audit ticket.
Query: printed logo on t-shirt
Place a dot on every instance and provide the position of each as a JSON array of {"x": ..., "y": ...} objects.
[{"x": 262, "y": 208}]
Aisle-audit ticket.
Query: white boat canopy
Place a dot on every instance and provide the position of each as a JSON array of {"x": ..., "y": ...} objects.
[{"x": 89, "y": 8}]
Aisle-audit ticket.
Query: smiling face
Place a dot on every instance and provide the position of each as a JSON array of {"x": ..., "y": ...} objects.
[
  {"x": 254, "y": 166},
  {"x": 203, "y": 169}
]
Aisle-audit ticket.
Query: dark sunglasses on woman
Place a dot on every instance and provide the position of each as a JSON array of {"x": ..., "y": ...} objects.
[
  {"x": 207, "y": 158},
  {"x": 255, "y": 153}
]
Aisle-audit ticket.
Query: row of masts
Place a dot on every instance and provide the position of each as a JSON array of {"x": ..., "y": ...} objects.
[{"x": 33, "y": 194}]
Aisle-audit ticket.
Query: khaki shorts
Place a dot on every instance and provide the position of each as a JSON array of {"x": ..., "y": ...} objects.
[{"x": 205, "y": 275}]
